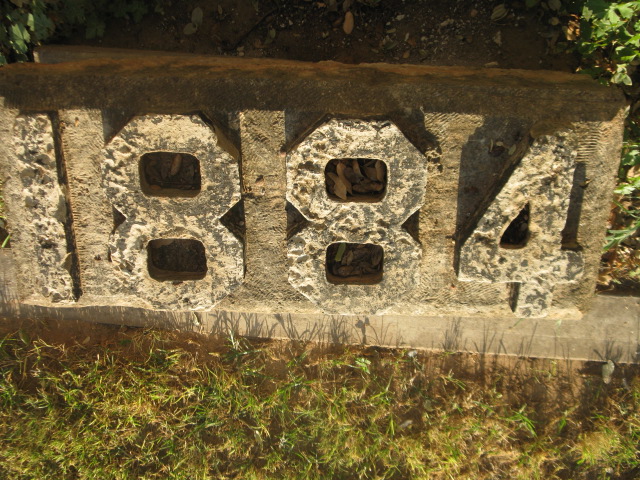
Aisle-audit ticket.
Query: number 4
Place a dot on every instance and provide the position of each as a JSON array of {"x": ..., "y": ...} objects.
[{"x": 517, "y": 240}]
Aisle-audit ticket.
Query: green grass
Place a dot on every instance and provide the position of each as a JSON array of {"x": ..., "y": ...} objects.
[{"x": 150, "y": 405}]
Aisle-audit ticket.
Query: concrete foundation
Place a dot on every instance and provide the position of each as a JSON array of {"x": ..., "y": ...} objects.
[{"x": 197, "y": 183}]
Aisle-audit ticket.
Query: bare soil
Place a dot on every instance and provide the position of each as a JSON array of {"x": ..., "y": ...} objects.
[{"x": 437, "y": 32}]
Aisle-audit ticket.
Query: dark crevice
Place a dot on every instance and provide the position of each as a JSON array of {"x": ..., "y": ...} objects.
[
  {"x": 354, "y": 263},
  {"x": 295, "y": 221},
  {"x": 71, "y": 263},
  {"x": 5, "y": 238},
  {"x": 412, "y": 226},
  {"x": 170, "y": 174},
  {"x": 113, "y": 121},
  {"x": 572, "y": 225},
  {"x": 234, "y": 221},
  {"x": 176, "y": 259},
  {"x": 517, "y": 233},
  {"x": 513, "y": 292},
  {"x": 118, "y": 219}
]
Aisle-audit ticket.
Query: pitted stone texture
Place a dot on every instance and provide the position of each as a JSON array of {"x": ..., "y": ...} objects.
[
  {"x": 377, "y": 223},
  {"x": 148, "y": 218},
  {"x": 336, "y": 139},
  {"x": 40, "y": 204},
  {"x": 543, "y": 179},
  {"x": 307, "y": 253}
]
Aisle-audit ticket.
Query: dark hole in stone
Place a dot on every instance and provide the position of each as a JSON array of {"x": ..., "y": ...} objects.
[
  {"x": 170, "y": 174},
  {"x": 354, "y": 263},
  {"x": 356, "y": 179},
  {"x": 176, "y": 259},
  {"x": 517, "y": 233}
]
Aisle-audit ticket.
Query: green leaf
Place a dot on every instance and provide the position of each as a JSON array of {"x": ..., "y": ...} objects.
[
  {"x": 627, "y": 10},
  {"x": 625, "y": 189},
  {"x": 612, "y": 18},
  {"x": 31, "y": 22},
  {"x": 44, "y": 27},
  {"x": 190, "y": 29},
  {"x": 621, "y": 76},
  {"x": 19, "y": 38},
  {"x": 631, "y": 158},
  {"x": 197, "y": 16}
]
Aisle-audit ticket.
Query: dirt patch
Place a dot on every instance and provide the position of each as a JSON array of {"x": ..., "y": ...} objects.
[{"x": 438, "y": 32}]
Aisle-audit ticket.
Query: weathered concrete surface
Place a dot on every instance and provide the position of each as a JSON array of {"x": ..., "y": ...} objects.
[
  {"x": 377, "y": 222},
  {"x": 82, "y": 134},
  {"x": 468, "y": 129},
  {"x": 265, "y": 286},
  {"x": 542, "y": 181},
  {"x": 34, "y": 197},
  {"x": 148, "y": 217}
]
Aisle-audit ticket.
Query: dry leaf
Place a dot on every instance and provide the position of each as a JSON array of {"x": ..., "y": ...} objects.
[
  {"x": 371, "y": 173},
  {"x": 379, "y": 171},
  {"x": 340, "y": 188},
  {"x": 176, "y": 163},
  {"x": 356, "y": 167},
  {"x": 190, "y": 29},
  {"x": 572, "y": 30},
  {"x": 340, "y": 170},
  {"x": 197, "y": 16},
  {"x": 348, "y": 24},
  {"x": 499, "y": 12},
  {"x": 349, "y": 258}
]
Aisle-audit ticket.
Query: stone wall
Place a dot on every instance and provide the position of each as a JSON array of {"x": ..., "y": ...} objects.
[{"x": 192, "y": 183}]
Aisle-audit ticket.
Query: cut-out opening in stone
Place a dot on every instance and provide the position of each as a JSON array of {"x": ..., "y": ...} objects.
[
  {"x": 354, "y": 263},
  {"x": 170, "y": 174},
  {"x": 176, "y": 259},
  {"x": 356, "y": 179},
  {"x": 517, "y": 233}
]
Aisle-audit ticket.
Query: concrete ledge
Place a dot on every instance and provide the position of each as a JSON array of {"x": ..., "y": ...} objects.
[{"x": 183, "y": 83}]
